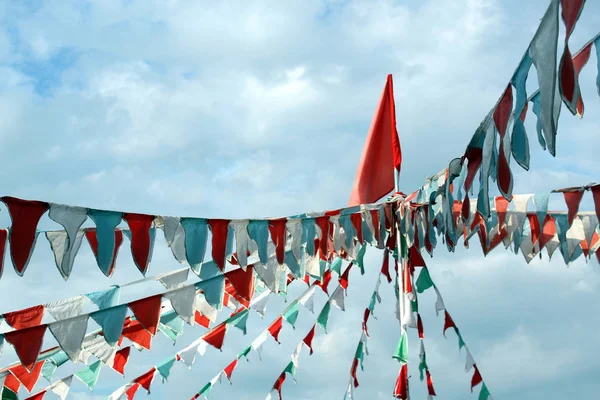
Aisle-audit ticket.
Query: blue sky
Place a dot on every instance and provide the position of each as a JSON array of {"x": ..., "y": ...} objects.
[{"x": 261, "y": 109}]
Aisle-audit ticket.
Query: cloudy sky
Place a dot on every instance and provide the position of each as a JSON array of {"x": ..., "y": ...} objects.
[{"x": 261, "y": 109}]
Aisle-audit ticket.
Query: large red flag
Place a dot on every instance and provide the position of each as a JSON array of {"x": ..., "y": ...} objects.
[{"x": 381, "y": 154}]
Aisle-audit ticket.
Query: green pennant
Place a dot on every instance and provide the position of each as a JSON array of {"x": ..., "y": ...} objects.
[
  {"x": 48, "y": 370},
  {"x": 168, "y": 332},
  {"x": 239, "y": 320},
  {"x": 360, "y": 353},
  {"x": 291, "y": 314},
  {"x": 205, "y": 389},
  {"x": 89, "y": 375},
  {"x": 424, "y": 281},
  {"x": 414, "y": 304},
  {"x": 290, "y": 369},
  {"x": 8, "y": 394},
  {"x": 173, "y": 321},
  {"x": 461, "y": 342},
  {"x": 422, "y": 367},
  {"x": 245, "y": 352},
  {"x": 164, "y": 368},
  {"x": 401, "y": 353},
  {"x": 336, "y": 266},
  {"x": 373, "y": 302},
  {"x": 323, "y": 316},
  {"x": 60, "y": 358},
  {"x": 360, "y": 259},
  {"x": 484, "y": 394},
  {"x": 404, "y": 246}
]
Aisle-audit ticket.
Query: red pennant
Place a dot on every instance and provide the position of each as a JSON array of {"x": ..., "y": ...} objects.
[
  {"x": 278, "y": 384},
  {"x": 25, "y": 215},
  {"x": 11, "y": 383},
  {"x": 535, "y": 227},
  {"x": 573, "y": 199},
  {"x": 501, "y": 209},
  {"x": 275, "y": 328},
  {"x": 309, "y": 338},
  {"x": 323, "y": 224},
  {"x": 27, "y": 344},
  {"x": 401, "y": 388},
  {"x": 477, "y": 379},
  {"x": 136, "y": 332},
  {"x": 548, "y": 231},
  {"x": 325, "y": 283},
  {"x": 27, "y": 379},
  {"x": 579, "y": 62},
  {"x": 474, "y": 156},
  {"x": 365, "y": 320},
  {"x": 466, "y": 207},
  {"x": 146, "y": 380},
  {"x": 420, "y": 326},
  {"x": 130, "y": 393},
  {"x": 356, "y": 219},
  {"x": 501, "y": 116},
  {"x": 90, "y": 235},
  {"x": 242, "y": 283},
  {"x": 147, "y": 312},
  {"x": 415, "y": 259},
  {"x": 353, "y": 372},
  {"x": 596, "y": 195},
  {"x": 229, "y": 369},
  {"x": 219, "y": 229},
  {"x": 25, "y": 318},
  {"x": 3, "y": 236},
  {"x": 430, "y": 389},
  {"x": 568, "y": 77},
  {"x": 345, "y": 276},
  {"x": 37, "y": 396},
  {"x": 388, "y": 212},
  {"x": 385, "y": 266},
  {"x": 121, "y": 359},
  {"x": 201, "y": 320},
  {"x": 278, "y": 236},
  {"x": 216, "y": 336},
  {"x": 448, "y": 322},
  {"x": 139, "y": 225}
]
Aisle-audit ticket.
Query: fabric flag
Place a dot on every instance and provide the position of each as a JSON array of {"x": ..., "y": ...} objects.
[
  {"x": 382, "y": 157},
  {"x": 111, "y": 321},
  {"x": 424, "y": 281},
  {"x": 220, "y": 230},
  {"x": 401, "y": 353},
  {"x": 337, "y": 298},
  {"x": 105, "y": 240},
  {"x": 174, "y": 280},
  {"x": 105, "y": 298},
  {"x": 182, "y": 301},
  {"x": 569, "y": 82},
  {"x": 27, "y": 378},
  {"x": 61, "y": 387},
  {"x": 188, "y": 355},
  {"x": 275, "y": 328},
  {"x": 146, "y": 379},
  {"x": 89, "y": 375},
  {"x": 66, "y": 308},
  {"x": 196, "y": 234},
  {"x": 3, "y": 236},
  {"x": 216, "y": 336},
  {"x": 291, "y": 314},
  {"x": 25, "y": 318},
  {"x": 142, "y": 239},
  {"x": 24, "y": 215},
  {"x": 324, "y": 316},
  {"x": 309, "y": 338},
  {"x": 136, "y": 332},
  {"x": 27, "y": 343},
  {"x": 229, "y": 369},
  {"x": 401, "y": 388},
  {"x": 147, "y": 312},
  {"x": 69, "y": 334},
  {"x": 121, "y": 359},
  {"x": 71, "y": 218}
]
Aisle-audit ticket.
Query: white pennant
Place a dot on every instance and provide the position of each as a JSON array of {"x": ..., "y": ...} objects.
[
  {"x": 240, "y": 227},
  {"x": 313, "y": 266},
  {"x": 66, "y": 308},
  {"x": 439, "y": 303},
  {"x": 296, "y": 354},
  {"x": 589, "y": 226},
  {"x": 64, "y": 250},
  {"x": 470, "y": 362},
  {"x": 182, "y": 301},
  {"x": 575, "y": 235},
  {"x": 202, "y": 346},
  {"x": 258, "y": 342},
  {"x": 520, "y": 201},
  {"x": 261, "y": 306},
  {"x": 188, "y": 355},
  {"x": 61, "y": 387},
  {"x": 269, "y": 273},
  {"x": 337, "y": 298},
  {"x": 310, "y": 305},
  {"x": 70, "y": 334},
  {"x": 174, "y": 280},
  {"x": 307, "y": 296},
  {"x": 97, "y": 346},
  {"x": 294, "y": 227},
  {"x": 206, "y": 309}
]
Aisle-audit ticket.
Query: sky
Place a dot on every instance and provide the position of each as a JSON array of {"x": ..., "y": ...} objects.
[{"x": 216, "y": 109}]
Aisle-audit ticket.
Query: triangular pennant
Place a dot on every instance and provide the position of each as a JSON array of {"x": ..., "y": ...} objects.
[
  {"x": 142, "y": 240},
  {"x": 64, "y": 250},
  {"x": 11, "y": 383},
  {"x": 105, "y": 298},
  {"x": 201, "y": 319},
  {"x": 401, "y": 387},
  {"x": 164, "y": 367},
  {"x": 258, "y": 230},
  {"x": 28, "y": 378},
  {"x": 277, "y": 228},
  {"x": 424, "y": 281},
  {"x": 24, "y": 215},
  {"x": 61, "y": 387},
  {"x": 111, "y": 321},
  {"x": 121, "y": 359},
  {"x": 243, "y": 283},
  {"x": 476, "y": 379},
  {"x": 216, "y": 336},
  {"x": 89, "y": 375},
  {"x": 278, "y": 384},
  {"x": 240, "y": 228},
  {"x": 401, "y": 353},
  {"x": 196, "y": 234},
  {"x": 188, "y": 355},
  {"x": 275, "y": 328},
  {"x": 66, "y": 308},
  {"x": 448, "y": 322},
  {"x": 213, "y": 289},
  {"x": 220, "y": 230},
  {"x": 147, "y": 312},
  {"x": 229, "y": 369},
  {"x": 69, "y": 334},
  {"x": 470, "y": 362},
  {"x": 37, "y": 396},
  {"x": 174, "y": 280},
  {"x": 239, "y": 319},
  {"x": 27, "y": 343},
  {"x": 337, "y": 298},
  {"x": 573, "y": 199},
  {"x": 309, "y": 338},
  {"x": 291, "y": 313},
  {"x": 71, "y": 218},
  {"x": 24, "y": 318},
  {"x": 3, "y": 237},
  {"x": 146, "y": 379},
  {"x": 182, "y": 301},
  {"x": 136, "y": 332},
  {"x": 105, "y": 240},
  {"x": 294, "y": 227},
  {"x": 324, "y": 316}
]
